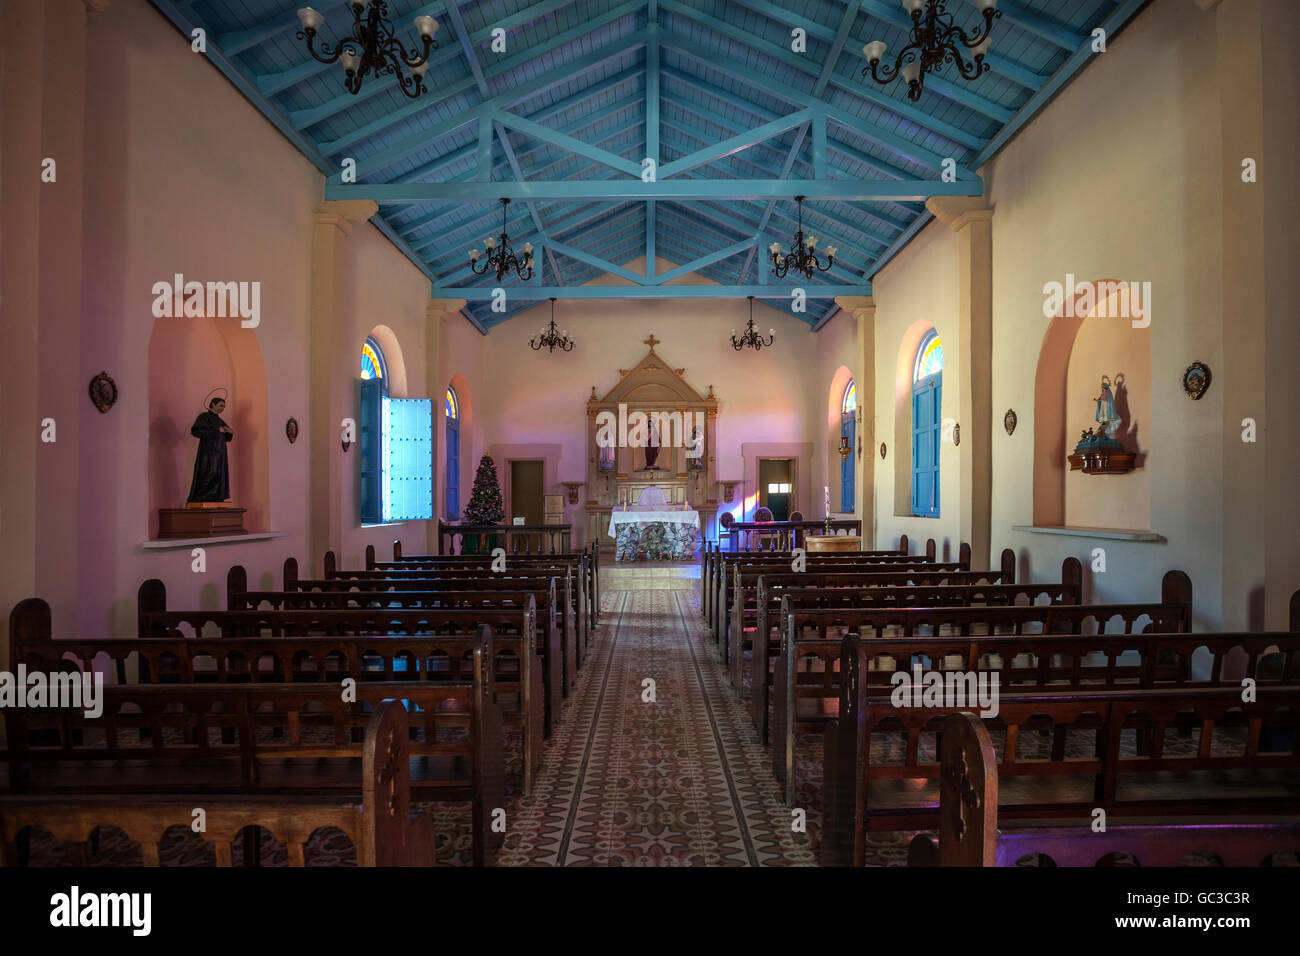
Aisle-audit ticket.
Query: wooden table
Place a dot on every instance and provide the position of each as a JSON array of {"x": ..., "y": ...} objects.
[{"x": 833, "y": 542}]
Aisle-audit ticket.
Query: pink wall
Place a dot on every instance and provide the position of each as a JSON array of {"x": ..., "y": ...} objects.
[{"x": 225, "y": 199}]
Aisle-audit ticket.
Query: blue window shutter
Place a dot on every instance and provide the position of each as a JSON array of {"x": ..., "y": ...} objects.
[
  {"x": 453, "y": 469},
  {"x": 407, "y": 459},
  {"x": 369, "y": 448},
  {"x": 847, "y": 481},
  {"x": 926, "y": 434}
]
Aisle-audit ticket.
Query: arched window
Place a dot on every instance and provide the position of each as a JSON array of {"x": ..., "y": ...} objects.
[
  {"x": 848, "y": 430},
  {"x": 452, "y": 476},
  {"x": 372, "y": 364},
  {"x": 927, "y": 403}
]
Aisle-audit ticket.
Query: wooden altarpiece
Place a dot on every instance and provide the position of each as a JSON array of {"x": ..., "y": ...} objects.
[{"x": 617, "y": 476}]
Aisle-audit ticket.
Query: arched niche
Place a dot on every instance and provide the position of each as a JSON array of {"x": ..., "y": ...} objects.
[
  {"x": 188, "y": 357},
  {"x": 834, "y": 400},
  {"x": 901, "y": 452},
  {"x": 393, "y": 360},
  {"x": 1089, "y": 338}
]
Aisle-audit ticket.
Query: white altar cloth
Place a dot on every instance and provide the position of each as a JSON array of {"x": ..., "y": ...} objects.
[{"x": 617, "y": 518}]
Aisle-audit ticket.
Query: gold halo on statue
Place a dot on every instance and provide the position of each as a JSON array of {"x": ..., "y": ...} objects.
[{"x": 225, "y": 397}]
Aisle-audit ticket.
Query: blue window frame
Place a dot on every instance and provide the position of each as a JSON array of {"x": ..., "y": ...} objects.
[
  {"x": 927, "y": 406},
  {"x": 451, "y": 490},
  {"x": 848, "y": 429}
]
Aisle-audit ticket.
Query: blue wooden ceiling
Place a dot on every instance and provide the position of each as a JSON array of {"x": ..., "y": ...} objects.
[{"x": 587, "y": 89}]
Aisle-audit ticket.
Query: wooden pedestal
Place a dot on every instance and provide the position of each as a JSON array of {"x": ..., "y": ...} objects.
[
  {"x": 833, "y": 542},
  {"x": 1102, "y": 462},
  {"x": 205, "y": 522}
]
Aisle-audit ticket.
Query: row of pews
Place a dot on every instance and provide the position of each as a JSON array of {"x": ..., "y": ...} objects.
[
  {"x": 334, "y": 702},
  {"x": 1118, "y": 707}
]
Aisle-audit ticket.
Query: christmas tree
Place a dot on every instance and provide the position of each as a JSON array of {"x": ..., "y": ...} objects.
[{"x": 485, "y": 502}]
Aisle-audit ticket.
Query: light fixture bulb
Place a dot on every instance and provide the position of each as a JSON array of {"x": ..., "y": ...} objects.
[
  {"x": 310, "y": 19},
  {"x": 875, "y": 50},
  {"x": 426, "y": 26}
]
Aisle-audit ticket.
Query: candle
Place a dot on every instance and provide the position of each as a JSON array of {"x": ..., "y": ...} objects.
[{"x": 828, "y": 501}]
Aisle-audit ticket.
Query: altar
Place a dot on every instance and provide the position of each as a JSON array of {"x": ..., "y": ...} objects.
[{"x": 652, "y": 535}]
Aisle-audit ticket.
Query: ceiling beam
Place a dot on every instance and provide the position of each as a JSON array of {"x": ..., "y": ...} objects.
[
  {"x": 772, "y": 293},
  {"x": 676, "y": 189}
]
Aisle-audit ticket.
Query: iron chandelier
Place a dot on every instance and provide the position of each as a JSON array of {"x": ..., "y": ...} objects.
[
  {"x": 934, "y": 41},
  {"x": 751, "y": 336},
  {"x": 549, "y": 338},
  {"x": 500, "y": 256},
  {"x": 803, "y": 257},
  {"x": 373, "y": 46}
]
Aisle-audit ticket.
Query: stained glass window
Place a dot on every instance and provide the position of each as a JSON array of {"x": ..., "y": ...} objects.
[
  {"x": 929, "y": 357},
  {"x": 372, "y": 361},
  {"x": 850, "y": 402},
  {"x": 450, "y": 402}
]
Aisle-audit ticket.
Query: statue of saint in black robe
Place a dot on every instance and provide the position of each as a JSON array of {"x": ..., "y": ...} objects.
[{"x": 211, "y": 466}]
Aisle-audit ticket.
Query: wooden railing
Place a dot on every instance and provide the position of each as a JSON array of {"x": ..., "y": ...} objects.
[
  {"x": 515, "y": 538},
  {"x": 783, "y": 535}
]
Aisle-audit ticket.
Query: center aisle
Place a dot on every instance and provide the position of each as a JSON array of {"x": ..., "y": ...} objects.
[{"x": 677, "y": 781}]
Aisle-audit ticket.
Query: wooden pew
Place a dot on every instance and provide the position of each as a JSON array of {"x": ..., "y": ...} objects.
[
  {"x": 756, "y": 601},
  {"x": 377, "y": 819},
  {"x": 969, "y": 834},
  {"x": 586, "y": 567},
  {"x": 457, "y": 578},
  {"x": 716, "y": 561},
  {"x": 773, "y": 677},
  {"x": 556, "y": 624},
  {"x": 734, "y": 574},
  {"x": 235, "y": 738},
  {"x": 514, "y": 627},
  {"x": 713, "y": 553},
  {"x": 817, "y": 635},
  {"x": 862, "y": 792}
]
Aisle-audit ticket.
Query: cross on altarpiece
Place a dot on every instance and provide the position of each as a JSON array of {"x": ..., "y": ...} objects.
[{"x": 652, "y": 341}]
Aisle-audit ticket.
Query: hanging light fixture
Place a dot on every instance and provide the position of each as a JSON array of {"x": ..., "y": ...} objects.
[
  {"x": 550, "y": 338},
  {"x": 751, "y": 336},
  {"x": 934, "y": 41},
  {"x": 500, "y": 256},
  {"x": 803, "y": 257},
  {"x": 372, "y": 47}
]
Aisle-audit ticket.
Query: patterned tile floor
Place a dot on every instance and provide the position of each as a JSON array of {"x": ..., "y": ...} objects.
[{"x": 653, "y": 763}]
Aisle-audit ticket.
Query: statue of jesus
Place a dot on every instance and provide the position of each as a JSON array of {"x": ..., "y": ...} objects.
[{"x": 211, "y": 466}]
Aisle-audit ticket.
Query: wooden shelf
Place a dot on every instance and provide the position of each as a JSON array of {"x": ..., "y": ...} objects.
[
  {"x": 166, "y": 544},
  {"x": 1116, "y": 534}
]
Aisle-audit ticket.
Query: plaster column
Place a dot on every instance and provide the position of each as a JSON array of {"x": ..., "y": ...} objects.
[
  {"x": 1257, "y": 89},
  {"x": 42, "y": 116},
  {"x": 968, "y": 217},
  {"x": 863, "y": 310},
  {"x": 331, "y": 375},
  {"x": 436, "y": 381}
]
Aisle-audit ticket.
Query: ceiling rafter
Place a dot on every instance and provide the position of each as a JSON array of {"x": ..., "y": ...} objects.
[{"x": 734, "y": 119}]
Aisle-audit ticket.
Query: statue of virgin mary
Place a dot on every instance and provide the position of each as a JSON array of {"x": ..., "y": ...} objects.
[{"x": 1106, "y": 418}]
